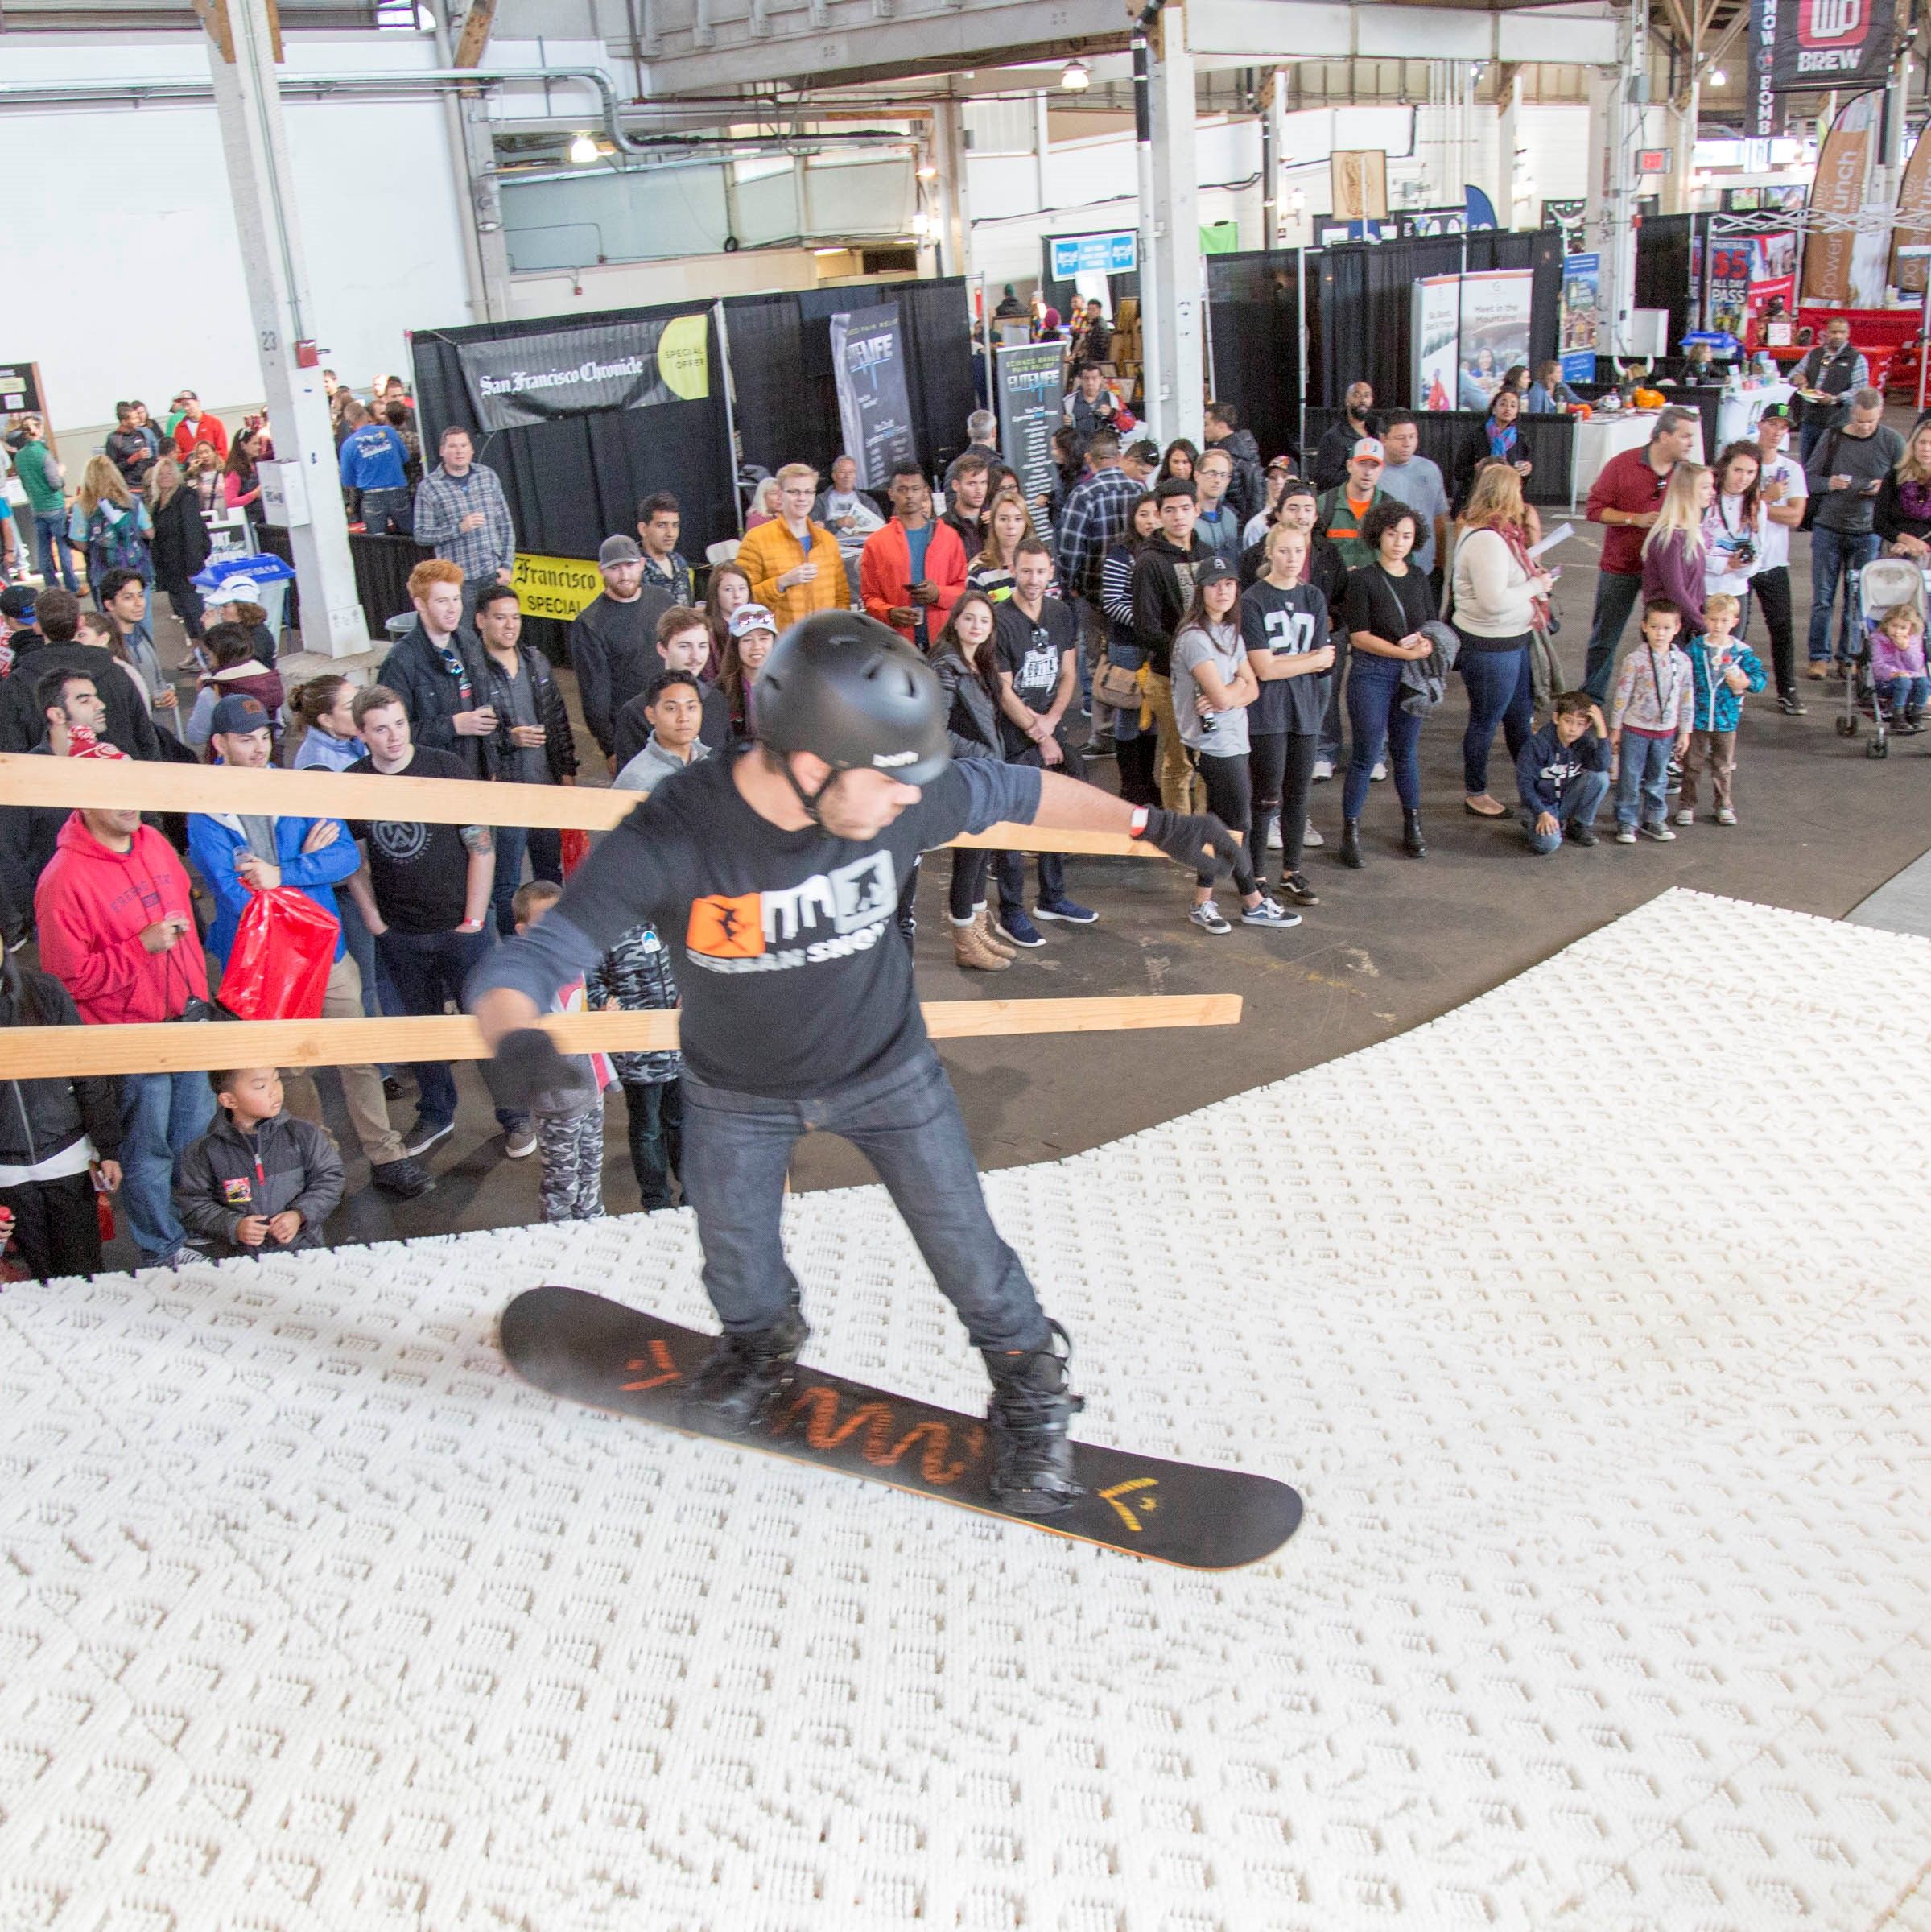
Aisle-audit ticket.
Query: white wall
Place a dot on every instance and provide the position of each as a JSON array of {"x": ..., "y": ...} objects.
[
  {"x": 118, "y": 238},
  {"x": 685, "y": 278}
]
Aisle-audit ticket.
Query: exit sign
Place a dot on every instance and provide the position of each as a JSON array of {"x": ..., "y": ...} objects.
[{"x": 1653, "y": 160}]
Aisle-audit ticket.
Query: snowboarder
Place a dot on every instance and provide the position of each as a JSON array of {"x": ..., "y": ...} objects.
[{"x": 778, "y": 862}]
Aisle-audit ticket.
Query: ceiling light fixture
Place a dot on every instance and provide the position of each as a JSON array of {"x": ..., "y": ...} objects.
[
  {"x": 927, "y": 169},
  {"x": 1073, "y": 78},
  {"x": 583, "y": 152},
  {"x": 1718, "y": 78}
]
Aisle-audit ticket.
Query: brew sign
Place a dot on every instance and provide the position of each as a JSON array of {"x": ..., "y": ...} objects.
[{"x": 1816, "y": 44}]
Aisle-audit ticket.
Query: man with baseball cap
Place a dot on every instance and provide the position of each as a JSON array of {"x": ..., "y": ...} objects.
[
  {"x": 240, "y": 854},
  {"x": 613, "y": 642},
  {"x": 193, "y": 426},
  {"x": 1341, "y": 509}
]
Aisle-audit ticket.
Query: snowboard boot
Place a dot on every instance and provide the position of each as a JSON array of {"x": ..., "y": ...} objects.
[
  {"x": 982, "y": 917},
  {"x": 971, "y": 953},
  {"x": 1350, "y": 854},
  {"x": 740, "y": 1381},
  {"x": 1032, "y": 1404},
  {"x": 1412, "y": 841}
]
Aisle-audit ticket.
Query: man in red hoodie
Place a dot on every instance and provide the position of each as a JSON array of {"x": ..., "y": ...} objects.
[
  {"x": 116, "y": 929},
  {"x": 911, "y": 572}
]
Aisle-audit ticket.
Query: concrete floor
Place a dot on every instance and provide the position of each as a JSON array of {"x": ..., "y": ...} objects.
[{"x": 1389, "y": 948}]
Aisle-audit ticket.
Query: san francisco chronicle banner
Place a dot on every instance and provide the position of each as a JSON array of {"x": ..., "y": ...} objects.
[{"x": 576, "y": 372}]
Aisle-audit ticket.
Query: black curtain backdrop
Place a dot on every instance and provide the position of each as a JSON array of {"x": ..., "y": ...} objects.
[
  {"x": 1550, "y": 442},
  {"x": 787, "y": 398},
  {"x": 1662, "y": 269},
  {"x": 1361, "y": 325},
  {"x": 1253, "y": 317},
  {"x": 574, "y": 482}
]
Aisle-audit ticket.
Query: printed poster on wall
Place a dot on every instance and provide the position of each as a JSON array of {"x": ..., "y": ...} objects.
[
  {"x": 517, "y": 380},
  {"x": 1579, "y": 327},
  {"x": 1030, "y": 383},
  {"x": 1729, "y": 286},
  {"x": 1494, "y": 333},
  {"x": 1772, "y": 280},
  {"x": 874, "y": 411},
  {"x": 1437, "y": 307}
]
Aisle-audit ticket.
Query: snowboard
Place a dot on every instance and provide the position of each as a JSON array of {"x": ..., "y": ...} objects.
[{"x": 583, "y": 1348}]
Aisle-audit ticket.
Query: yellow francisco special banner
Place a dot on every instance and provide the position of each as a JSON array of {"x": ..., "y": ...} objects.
[{"x": 555, "y": 587}]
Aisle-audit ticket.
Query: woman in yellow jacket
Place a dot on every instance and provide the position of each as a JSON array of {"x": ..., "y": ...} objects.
[{"x": 794, "y": 564}]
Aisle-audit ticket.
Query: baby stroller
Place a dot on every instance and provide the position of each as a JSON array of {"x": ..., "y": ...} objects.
[{"x": 1880, "y": 587}]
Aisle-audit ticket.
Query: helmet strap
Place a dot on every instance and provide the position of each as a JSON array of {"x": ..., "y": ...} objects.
[{"x": 807, "y": 799}]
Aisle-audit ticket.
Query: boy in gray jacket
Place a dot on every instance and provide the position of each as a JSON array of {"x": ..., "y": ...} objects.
[{"x": 259, "y": 1177}]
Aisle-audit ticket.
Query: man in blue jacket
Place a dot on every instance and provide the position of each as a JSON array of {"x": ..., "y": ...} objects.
[
  {"x": 374, "y": 461},
  {"x": 241, "y": 854}
]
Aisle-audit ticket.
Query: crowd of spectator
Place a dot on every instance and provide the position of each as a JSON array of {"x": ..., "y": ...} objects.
[{"x": 1230, "y": 635}]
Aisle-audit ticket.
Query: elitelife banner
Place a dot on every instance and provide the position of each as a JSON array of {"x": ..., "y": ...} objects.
[
  {"x": 1815, "y": 43},
  {"x": 525, "y": 379},
  {"x": 874, "y": 412}
]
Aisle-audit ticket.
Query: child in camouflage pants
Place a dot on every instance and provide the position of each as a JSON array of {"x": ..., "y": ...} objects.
[{"x": 570, "y": 1145}]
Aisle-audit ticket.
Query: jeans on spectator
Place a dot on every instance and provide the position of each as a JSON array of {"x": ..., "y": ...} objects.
[
  {"x": 967, "y": 893},
  {"x": 1903, "y": 697},
  {"x": 1376, "y": 718},
  {"x": 1282, "y": 763},
  {"x": 1501, "y": 692},
  {"x": 186, "y": 602},
  {"x": 545, "y": 845},
  {"x": 1770, "y": 589},
  {"x": 386, "y": 510},
  {"x": 655, "y": 1113},
  {"x": 1808, "y": 435},
  {"x": 1834, "y": 558},
  {"x": 428, "y": 969},
  {"x": 162, "y": 1114},
  {"x": 1642, "y": 783},
  {"x": 56, "y": 1225},
  {"x": 362, "y": 1086},
  {"x": 54, "y": 553},
  {"x": 1333, "y": 745},
  {"x": 1009, "y": 868},
  {"x": 1617, "y": 594},
  {"x": 1580, "y": 805},
  {"x": 905, "y": 1121}
]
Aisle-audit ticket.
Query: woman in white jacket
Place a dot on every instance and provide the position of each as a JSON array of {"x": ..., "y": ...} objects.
[{"x": 1500, "y": 599}]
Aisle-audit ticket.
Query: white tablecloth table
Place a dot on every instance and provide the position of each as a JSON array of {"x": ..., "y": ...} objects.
[{"x": 1603, "y": 436}]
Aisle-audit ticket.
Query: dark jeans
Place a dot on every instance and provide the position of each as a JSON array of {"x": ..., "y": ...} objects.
[
  {"x": 545, "y": 845},
  {"x": 427, "y": 969},
  {"x": 1808, "y": 435},
  {"x": 162, "y": 1115},
  {"x": 1771, "y": 590},
  {"x": 1009, "y": 868},
  {"x": 54, "y": 553},
  {"x": 185, "y": 601},
  {"x": 384, "y": 510},
  {"x": 905, "y": 1121},
  {"x": 1283, "y": 767},
  {"x": 56, "y": 1225},
  {"x": 1834, "y": 559},
  {"x": 1230, "y": 791},
  {"x": 654, "y": 1110},
  {"x": 966, "y": 893},
  {"x": 1375, "y": 712},
  {"x": 1332, "y": 743},
  {"x": 1617, "y": 594},
  {"x": 1501, "y": 692},
  {"x": 1579, "y": 806}
]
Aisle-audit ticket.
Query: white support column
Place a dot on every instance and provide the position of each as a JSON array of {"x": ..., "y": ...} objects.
[
  {"x": 1615, "y": 121},
  {"x": 1507, "y": 168},
  {"x": 954, "y": 211},
  {"x": 1179, "y": 289},
  {"x": 248, "y": 102}
]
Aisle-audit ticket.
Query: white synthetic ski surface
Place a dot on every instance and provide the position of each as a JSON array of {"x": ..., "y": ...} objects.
[{"x": 1589, "y": 1320}]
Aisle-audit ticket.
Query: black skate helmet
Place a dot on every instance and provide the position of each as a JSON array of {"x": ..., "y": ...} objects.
[{"x": 856, "y": 694}]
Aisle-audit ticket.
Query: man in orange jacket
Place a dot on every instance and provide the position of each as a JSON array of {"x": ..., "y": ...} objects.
[
  {"x": 912, "y": 571},
  {"x": 794, "y": 564}
]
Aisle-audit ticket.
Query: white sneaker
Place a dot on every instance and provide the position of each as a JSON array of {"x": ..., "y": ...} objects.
[
  {"x": 1309, "y": 839},
  {"x": 1324, "y": 770},
  {"x": 1269, "y": 913},
  {"x": 1207, "y": 918},
  {"x": 1273, "y": 836},
  {"x": 1625, "y": 835},
  {"x": 1380, "y": 772},
  {"x": 1725, "y": 816},
  {"x": 1686, "y": 816}
]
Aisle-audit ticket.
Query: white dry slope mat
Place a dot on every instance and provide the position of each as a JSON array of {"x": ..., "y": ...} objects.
[{"x": 1589, "y": 1318}]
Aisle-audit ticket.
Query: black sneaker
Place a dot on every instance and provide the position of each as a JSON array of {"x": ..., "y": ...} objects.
[
  {"x": 403, "y": 1178},
  {"x": 425, "y": 1134},
  {"x": 741, "y": 1379},
  {"x": 1296, "y": 891},
  {"x": 1582, "y": 835},
  {"x": 1792, "y": 706},
  {"x": 1031, "y": 1406},
  {"x": 392, "y": 1087}
]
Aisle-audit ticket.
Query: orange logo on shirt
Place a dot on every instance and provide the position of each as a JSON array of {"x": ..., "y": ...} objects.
[{"x": 727, "y": 928}]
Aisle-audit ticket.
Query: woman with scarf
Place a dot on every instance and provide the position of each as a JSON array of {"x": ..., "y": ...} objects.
[
  {"x": 1501, "y": 599},
  {"x": 1902, "y": 516},
  {"x": 1497, "y": 436}
]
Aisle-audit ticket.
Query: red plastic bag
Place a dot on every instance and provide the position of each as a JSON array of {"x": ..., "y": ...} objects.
[
  {"x": 576, "y": 849},
  {"x": 278, "y": 968}
]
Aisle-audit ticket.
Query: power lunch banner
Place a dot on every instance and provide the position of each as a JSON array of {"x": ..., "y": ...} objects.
[
  {"x": 874, "y": 412},
  {"x": 1913, "y": 229},
  {"x": 1843, "y": 268},
  {"x": 1815, "y": 43},
  {"x": 578, "y": 372}
]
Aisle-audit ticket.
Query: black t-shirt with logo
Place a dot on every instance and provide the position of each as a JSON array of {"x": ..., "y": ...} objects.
[
  {"x": 1030, "y": 649},
  {"x": 794, "y": 979},
  {"x": 1280, "y": 622},
  {"x": 420, "y": 873}
]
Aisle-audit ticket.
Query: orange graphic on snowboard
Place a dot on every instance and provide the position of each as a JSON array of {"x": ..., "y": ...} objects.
[{"x": 727, "y": 928}]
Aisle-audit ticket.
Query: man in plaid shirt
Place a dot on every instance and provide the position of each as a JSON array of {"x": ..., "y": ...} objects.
[
  {"x": 1095, "y": 518},
  {"x": 460, "y": 509}
]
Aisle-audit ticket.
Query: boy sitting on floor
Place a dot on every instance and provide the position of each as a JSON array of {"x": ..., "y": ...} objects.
[
  {"x": 1563, "y": 775},
  {"x": 258, "y": 1178}
]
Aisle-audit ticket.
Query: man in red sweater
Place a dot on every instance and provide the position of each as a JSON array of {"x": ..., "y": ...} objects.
[
  {"x": 1625, "y": 498},
  {"x": 911, "y": 572},
  {"x": 116, "y": 920}
]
